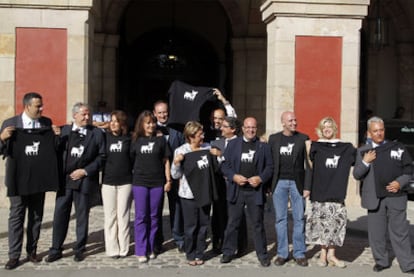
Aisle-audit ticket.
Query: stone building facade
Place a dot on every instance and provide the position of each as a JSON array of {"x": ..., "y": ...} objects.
[{"x": 267, "y": 56}]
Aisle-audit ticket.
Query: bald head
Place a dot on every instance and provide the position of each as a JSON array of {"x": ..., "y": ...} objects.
[
  {"x": 289, "y": 123},
  {"x": 249, "y": 128}
]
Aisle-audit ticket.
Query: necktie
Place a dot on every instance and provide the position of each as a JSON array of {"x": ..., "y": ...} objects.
[{"x": 33, "y": 124}]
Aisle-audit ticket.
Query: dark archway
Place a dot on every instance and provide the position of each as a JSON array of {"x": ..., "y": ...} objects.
[{"x": 154, "y": 60}]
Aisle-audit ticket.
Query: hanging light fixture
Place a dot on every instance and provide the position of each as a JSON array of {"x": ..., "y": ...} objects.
[
  {"x": 169, "y": 57},
  {"x": 378, "y": 29}
]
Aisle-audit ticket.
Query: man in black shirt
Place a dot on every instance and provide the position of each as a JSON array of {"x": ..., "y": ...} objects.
[
  {"x": 289, "y": 158},
  {"x": 247, "y": 166}
]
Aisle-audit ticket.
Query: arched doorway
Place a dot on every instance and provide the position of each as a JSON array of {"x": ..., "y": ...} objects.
[{"x": 163, "y": 44}]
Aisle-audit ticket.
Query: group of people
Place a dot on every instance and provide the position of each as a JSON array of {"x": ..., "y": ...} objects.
[{"x": 224, "y": 166}]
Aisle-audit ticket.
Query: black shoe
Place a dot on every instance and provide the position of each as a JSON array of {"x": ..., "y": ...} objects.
[
  {"x": 301, "y": 261},
  {"x": 33, "y": 258},
  {"x": 280, "y": 261},
  {"x": 12, "y": 264},
  {"x": 264, "y": 262},
  {"x": 180, "y": 248},
  {"x": 78, "y": 257},
  {"x": 410, "y": 271},
  {"x": 241, "y": 252},
  {"x": 53, "y": 257},
  {"x": 159, "y": 250},
  {"x": 379, "y": 268},
  {"x": 225, "y": 259}
]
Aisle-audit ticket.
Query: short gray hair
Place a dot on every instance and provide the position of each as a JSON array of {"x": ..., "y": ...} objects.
[
  {"x": 77, "y": 106},
  {"x": 374, "y": 119}
]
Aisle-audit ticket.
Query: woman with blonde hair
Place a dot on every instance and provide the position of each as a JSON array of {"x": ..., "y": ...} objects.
[
  {"x": 193, "y": 165},
  {"x": 330, "y": 161}
]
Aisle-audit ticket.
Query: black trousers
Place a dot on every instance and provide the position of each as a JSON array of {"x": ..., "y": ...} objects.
[
  {"x": 176, "y": 221},
  {"x": 62, "y": 216},
  {"x": 219, "y": 220},
  {"x": 196, "y": 222},
  {"x": 256, "y": 214},
  {"x": 34, "y": 203}
]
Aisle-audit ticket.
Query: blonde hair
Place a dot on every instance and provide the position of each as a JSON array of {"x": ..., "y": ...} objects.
[
  {"x": 191, "y": 128},
  {"x": 321, "y": 125}
]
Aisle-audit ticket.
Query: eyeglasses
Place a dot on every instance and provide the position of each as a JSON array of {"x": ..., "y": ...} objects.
[{"x": 250, "y": 127}]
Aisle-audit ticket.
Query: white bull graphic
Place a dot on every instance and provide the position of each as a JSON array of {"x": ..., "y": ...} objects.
[
  {"x": 32, "y": 150},
  {"x": 396, "y": 154},
  {"x": 203, "y": 163},
  {"x": 147, "y": 148},
  {"x": 77, "y": 151},
  {"x": 332, "y": 162},
  {"x": 116, "y": 147},
  {"x": 287, "y": 150},
  {"x": 190, "y": 95},
  {"x": 248, "y": 157}
]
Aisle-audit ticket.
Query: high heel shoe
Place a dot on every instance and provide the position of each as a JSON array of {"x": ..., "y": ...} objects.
[{"x": 336, "y": 262}]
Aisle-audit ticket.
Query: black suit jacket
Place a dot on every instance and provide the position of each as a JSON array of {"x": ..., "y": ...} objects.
[
  {"x": 232, "y": 162},
  {"x": 91, "y": 160},
  {"x": 300, "y": 164}
]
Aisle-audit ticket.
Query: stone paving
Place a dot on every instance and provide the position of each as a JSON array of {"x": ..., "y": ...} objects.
[{"x": 355, "y": 250}]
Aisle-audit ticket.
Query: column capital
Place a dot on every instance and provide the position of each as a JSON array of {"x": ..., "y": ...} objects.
[{"x": 353, "y": 9}]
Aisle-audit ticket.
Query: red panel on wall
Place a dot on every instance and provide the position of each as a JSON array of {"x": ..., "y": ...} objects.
[
  {"x": 41, "y": 66},
  {"x": 318, "y": 63}
]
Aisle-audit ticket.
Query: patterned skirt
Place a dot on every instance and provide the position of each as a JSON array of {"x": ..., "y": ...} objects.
[{"x": 326, "y": 223}]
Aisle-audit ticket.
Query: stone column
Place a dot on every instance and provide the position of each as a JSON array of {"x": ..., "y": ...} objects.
[
  {"x": 249, "y": 78},
  {"x": 405, "y": 74},
  {"x": 287, "y": 19},
  {"x": 104, "y": 75}
]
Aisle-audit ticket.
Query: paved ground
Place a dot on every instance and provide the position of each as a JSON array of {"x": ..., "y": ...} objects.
[{"x": 355, "y": 252}]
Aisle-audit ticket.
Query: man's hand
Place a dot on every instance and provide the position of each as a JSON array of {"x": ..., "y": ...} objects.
[
  {"x": 393, "y": 187},
  {"x": 78, "y": 174},
  {"x": 370, "y": 156},
  {"x": 254, "y": 181},
  {"x": 240, "y": 179},
  {"x": 7, "y": 133},
  {"x": 56, "y": 130}
]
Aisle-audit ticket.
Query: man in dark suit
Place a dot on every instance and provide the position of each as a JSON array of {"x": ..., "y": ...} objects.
[
  {"x": 247, "y": 166},
  {"x": 385, "y": 168},
  {"x": 174, "y": 138},
  {"x": 289, "y": 158},
  {"x": 83, "y": 152},
  {"x": 230, "y": 129},
  {"x": 34, "y": 202}
]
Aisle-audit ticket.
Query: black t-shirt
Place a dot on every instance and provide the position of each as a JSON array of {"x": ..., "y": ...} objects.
[
  {"x": 32, "y": 162},
  {"x": 247, "y": 162},
  {"x": 148, "y": 154},
  {"x": 199, "y": 169},
  {"x": 118, "y": 164},
  {"x": 186, "y": 102},
  {"x": 286, "y": 158},
  {"x": 392, "y": 160},
  {"x": 330, "y": 172}
]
